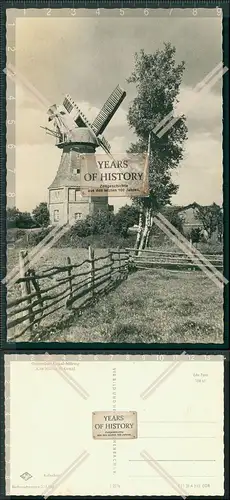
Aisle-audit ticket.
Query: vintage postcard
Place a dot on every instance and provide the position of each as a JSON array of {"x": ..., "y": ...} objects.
[
  {"x": 115, "y": 175},
  {"x": 114, "y": 425}
]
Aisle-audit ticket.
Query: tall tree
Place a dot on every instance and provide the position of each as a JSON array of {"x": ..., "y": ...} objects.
[
  {"x": 157, "y": 78},
  {"x": 41, "y": 215}
]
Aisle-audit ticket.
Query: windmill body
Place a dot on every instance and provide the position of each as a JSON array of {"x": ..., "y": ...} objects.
[{"x": 77, "y": 138}]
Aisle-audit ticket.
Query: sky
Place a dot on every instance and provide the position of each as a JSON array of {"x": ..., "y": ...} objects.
[{"x": 87, "y": 57}]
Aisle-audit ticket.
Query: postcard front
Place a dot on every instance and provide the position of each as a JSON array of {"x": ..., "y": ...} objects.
[{"x": 114, "y": 175}]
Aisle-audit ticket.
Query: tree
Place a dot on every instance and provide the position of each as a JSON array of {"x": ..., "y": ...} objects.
[
  {"x": 220, "y": 225},
  {"x": 157, "y": 79},
  {"x": 211, "y": 218},
  {"x": 17, "y": 219},
  {"x": 126, "y": 217},
  {"x": 41, "y": 215},
  {"x": 195, "y": 234},
  {"x": 175, "y": 218}
]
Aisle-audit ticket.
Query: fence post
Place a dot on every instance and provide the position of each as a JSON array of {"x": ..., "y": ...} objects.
[
  {"x": 70, "y": 283},
  {"x": 91, "y": 269},
  {"x": 127, "y": 262},
  {"x": 25, "y": 286},
  {"x": 110, "y": 257},
  {"x": 119, "y": 261}
]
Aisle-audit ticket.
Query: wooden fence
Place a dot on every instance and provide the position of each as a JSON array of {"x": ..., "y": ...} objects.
[
  {"x": 75, "y": 285},
  {"x": 172, "y": 260},
  {"x": 70, "y": 285}
]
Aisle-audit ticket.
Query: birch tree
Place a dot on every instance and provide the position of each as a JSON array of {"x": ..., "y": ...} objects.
[{"x": 157, "y": 78}]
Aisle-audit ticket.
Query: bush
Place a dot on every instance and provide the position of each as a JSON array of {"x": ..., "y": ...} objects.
[
  {"x": 36, "y": 237},
  {"x": 17, "y": 219},
  {"x": 14, "y": 234},
  {"x": 126, "y": 217},
  {"x": 108, "y": 240},
  {"x": 210, "y": 248},
  {"x": 195, "y": 234}
]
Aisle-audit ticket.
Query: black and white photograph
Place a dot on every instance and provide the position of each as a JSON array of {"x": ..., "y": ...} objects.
[{"x": 115, "y": 176}]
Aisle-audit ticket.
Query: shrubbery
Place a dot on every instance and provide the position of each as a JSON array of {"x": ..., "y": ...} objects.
[
  {"x": 36, "y": 237},
  {"x": 195, "y": 234},
  {"x": 17, "y": 219},
  {"x": 102, "y": 230}
]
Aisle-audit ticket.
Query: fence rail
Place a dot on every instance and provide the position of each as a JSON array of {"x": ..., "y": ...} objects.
[
  {"x": 71, "y": 285},
  {"x": 162, "y": 258}
]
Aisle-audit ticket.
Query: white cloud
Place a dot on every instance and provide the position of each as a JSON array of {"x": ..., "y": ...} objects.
[
  {"x": 200, "y": 174},
  {"x": 205, "y": 105},
  {"x": 36, "y": 167}
]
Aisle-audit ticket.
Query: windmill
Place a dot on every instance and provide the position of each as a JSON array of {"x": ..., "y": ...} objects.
[{"x": 76, "y": 137}]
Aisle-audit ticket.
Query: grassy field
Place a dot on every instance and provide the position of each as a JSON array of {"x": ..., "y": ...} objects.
[{"x": 151, "y": 306}]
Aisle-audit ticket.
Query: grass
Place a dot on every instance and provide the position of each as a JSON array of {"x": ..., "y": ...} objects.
[
  {"x": 156, "y": 306},
  {"x": 151, "y": 306}
]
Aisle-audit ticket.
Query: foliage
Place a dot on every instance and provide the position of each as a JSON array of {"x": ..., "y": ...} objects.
[
  {"x": 195, "y": 234},
  {"x": 211, "y": 218},
  {"x": 41, "y": 215},
  {"x": 174, "y": 217},
  {"x": 98, "y": 223},
  {"x": 17, "y": 219},
  {"x": 105, "y": 222},
  {"x": 157, "y": 79},
  {"x": 106, "y": 240},
  {"x": 36, "y": 237},
  {"x": 126, "y": 217}
]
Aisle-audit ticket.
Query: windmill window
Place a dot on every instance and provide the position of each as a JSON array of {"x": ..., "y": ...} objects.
[
  {"x": 76, "y": 171},
  {"x": 56, "y": 215},
  {"x": 78, "y": 216},
  {"x": 77, "y": 190}
]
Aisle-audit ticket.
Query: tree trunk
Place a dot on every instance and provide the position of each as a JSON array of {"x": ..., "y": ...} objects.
[
  {"x": 146, "y": 229},
  {"x": 140, "y": 229},
  {"x": 149, "y": 231}
]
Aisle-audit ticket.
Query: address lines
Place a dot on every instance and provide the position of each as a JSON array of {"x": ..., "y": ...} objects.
[{"x": 187, "y": 422}]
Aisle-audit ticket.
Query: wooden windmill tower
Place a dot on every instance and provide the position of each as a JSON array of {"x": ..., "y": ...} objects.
[{"x": 76, "y": 136}]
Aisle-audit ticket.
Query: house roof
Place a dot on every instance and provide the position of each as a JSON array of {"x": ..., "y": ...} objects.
[{"x": 188, "y": 213}]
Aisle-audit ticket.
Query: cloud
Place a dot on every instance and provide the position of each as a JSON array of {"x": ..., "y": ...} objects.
[
  {"x": 200, "y": 175},
  {"x": 87, "y": 57},
  {"x": 204, "y": 107},
  {"x": 36, "y": 167}
]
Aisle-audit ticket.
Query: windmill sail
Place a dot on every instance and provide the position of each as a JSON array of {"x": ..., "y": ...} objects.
[
  {"x": 108, "y": 110},
  {"x": 104, "y": 144},
  {"x": 75, "y": 112},
  {"x": 81, "y": 120}
]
